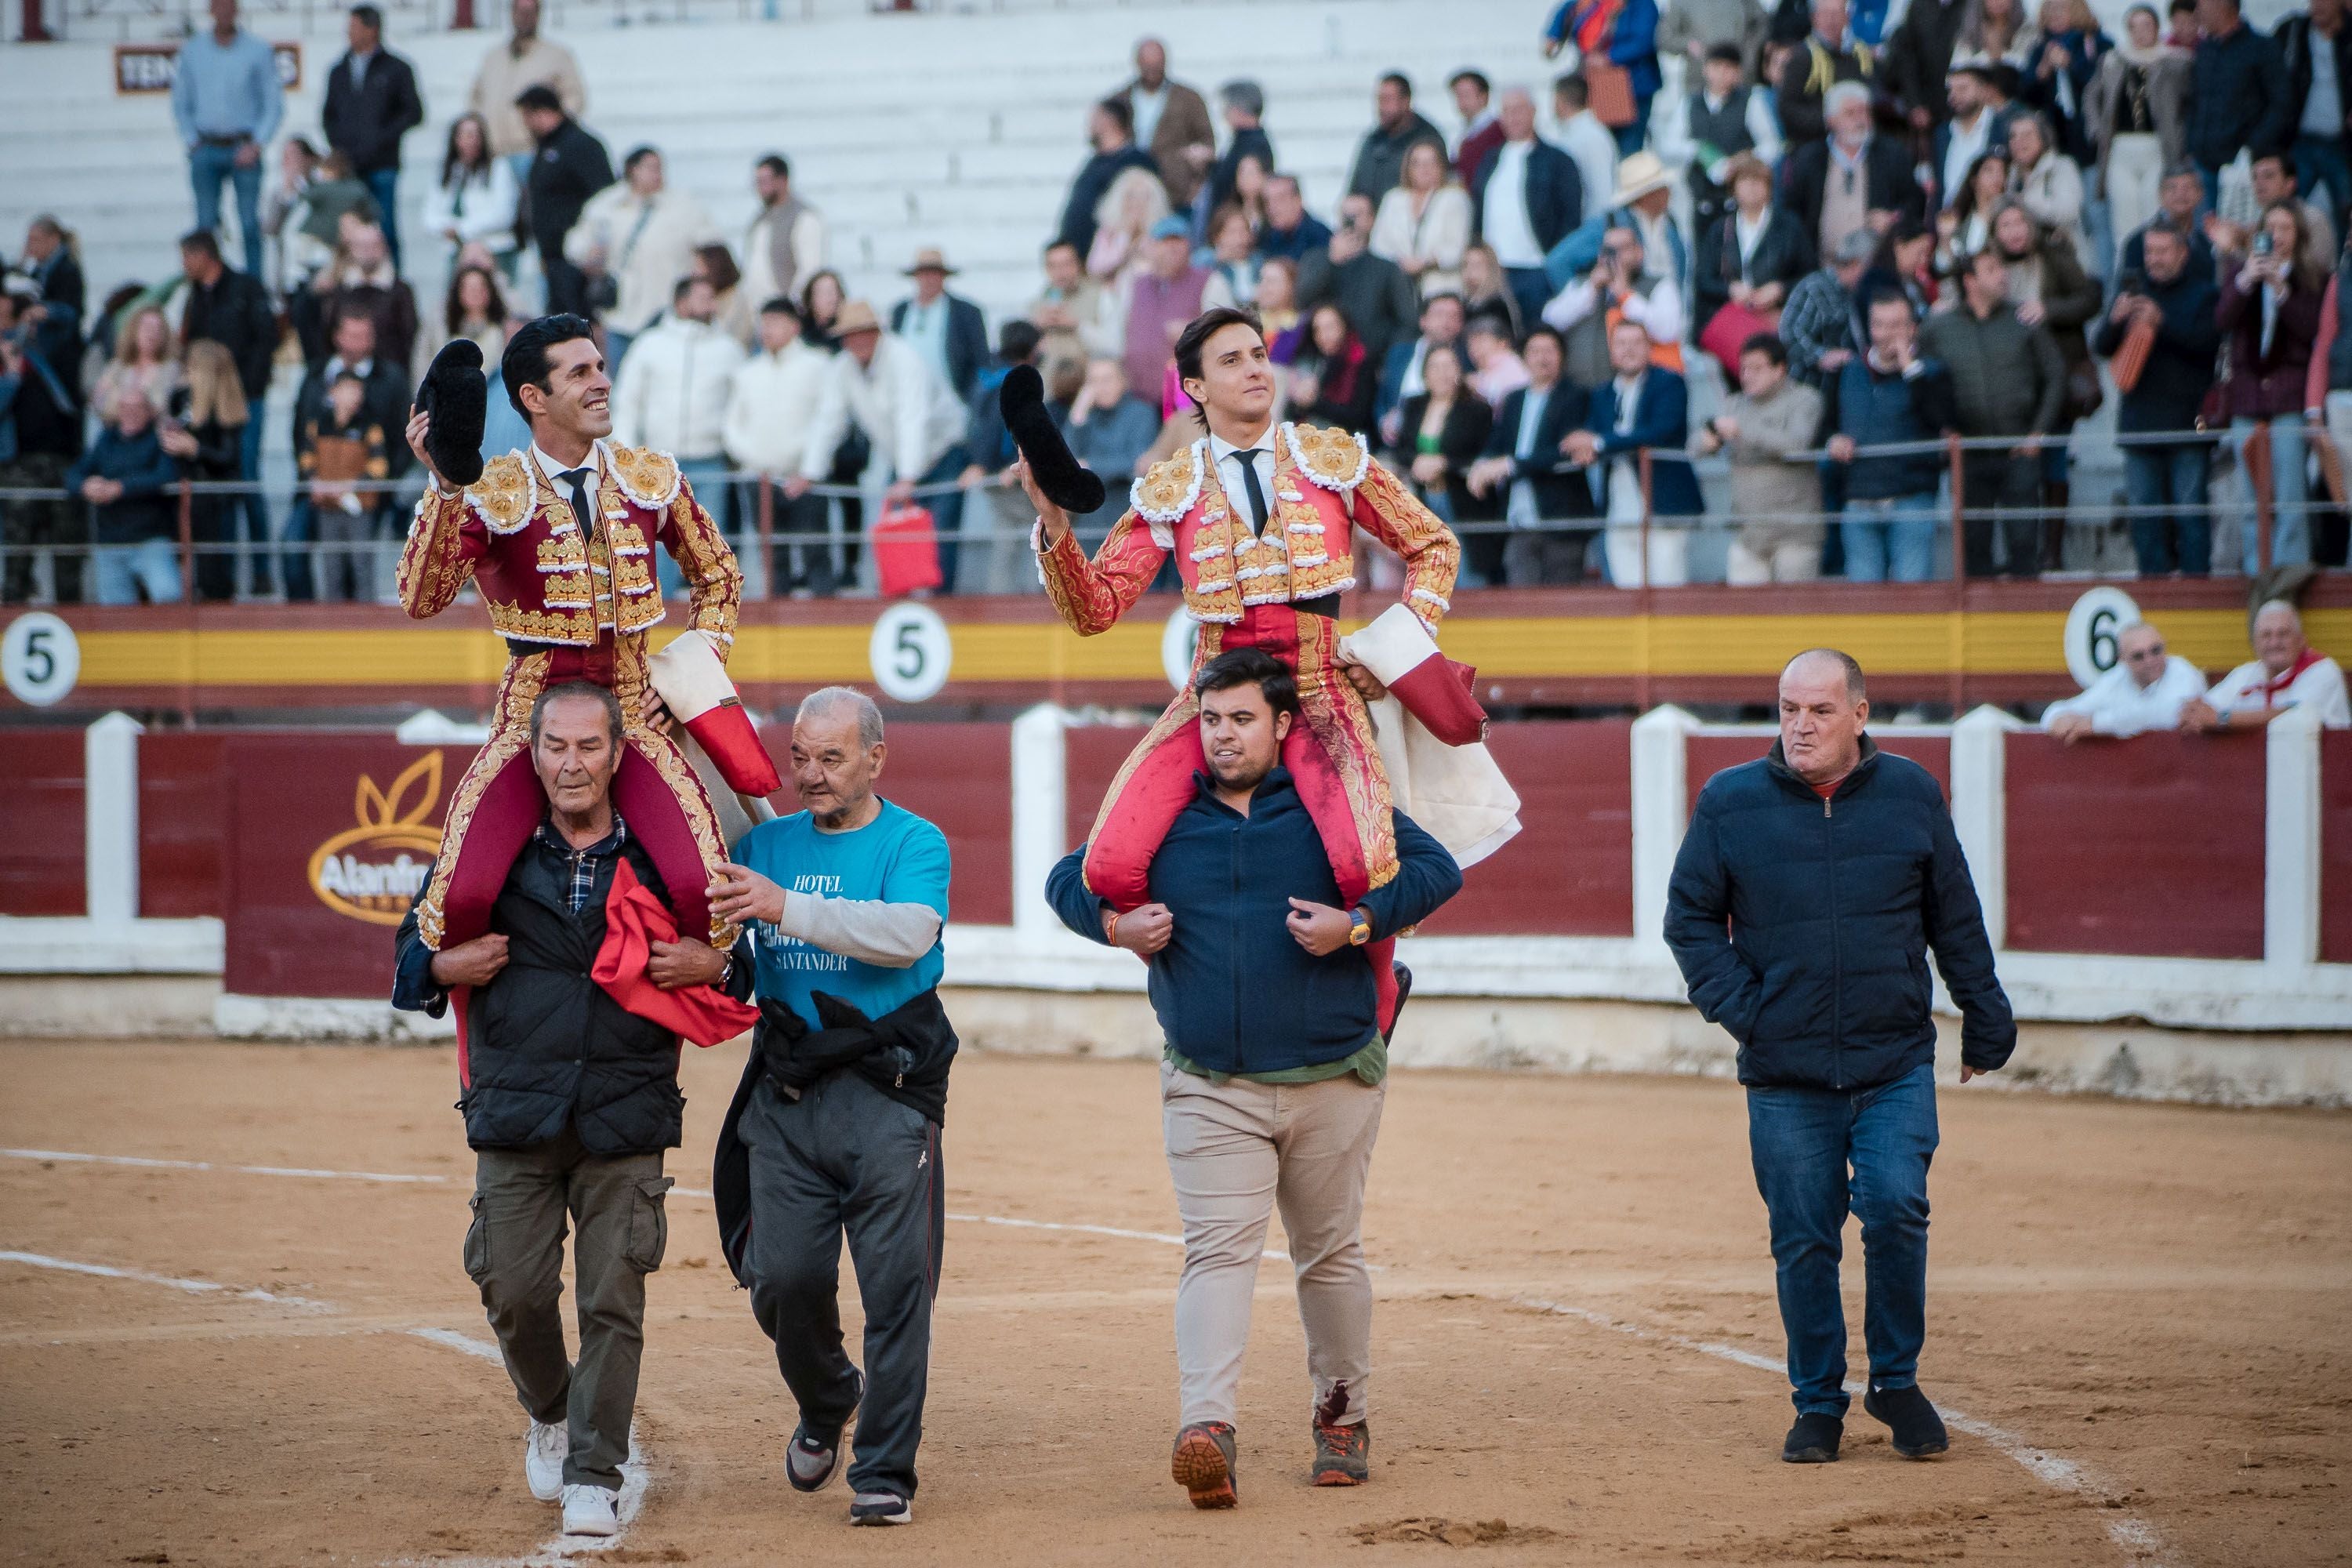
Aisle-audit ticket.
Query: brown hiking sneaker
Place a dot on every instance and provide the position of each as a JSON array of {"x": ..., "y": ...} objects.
[
  {"x": 1343, "y": 1455},
  {"x": 1203, "y": 1463}
]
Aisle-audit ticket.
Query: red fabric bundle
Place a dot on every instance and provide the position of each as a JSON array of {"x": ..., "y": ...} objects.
[
  {"x": 694, "y": 684},
  {"x": 633, "y": 920},
  {"x": 1433, "y": 688}
]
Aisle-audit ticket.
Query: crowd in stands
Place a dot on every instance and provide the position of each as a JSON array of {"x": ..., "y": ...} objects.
[{"x": 1850, "y": 235}]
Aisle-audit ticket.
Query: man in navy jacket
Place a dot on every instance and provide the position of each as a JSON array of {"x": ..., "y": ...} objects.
[
  {"x": 1641, "y": 408},
  {"x": 1808, "y": 892},
  {"x": 1272, "y": 1082}
]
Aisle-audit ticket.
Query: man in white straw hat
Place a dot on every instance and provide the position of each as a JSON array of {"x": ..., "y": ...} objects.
[
  {"x": 1644, "y": 192},
  {"x": 946, "y": 328}
]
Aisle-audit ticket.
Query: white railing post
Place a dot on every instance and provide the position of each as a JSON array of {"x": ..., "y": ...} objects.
[
  {"x": 2291, "y": 840},
  {"x": 109, "y": 751},
  {"x": 1040, "y": 819},
  {"x": 1980, "y": 810},
  {"x": 1660, "y": 812}
]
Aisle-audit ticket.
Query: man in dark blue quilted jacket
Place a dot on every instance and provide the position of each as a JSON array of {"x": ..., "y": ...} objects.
[{"x": 1806, "y": 897}]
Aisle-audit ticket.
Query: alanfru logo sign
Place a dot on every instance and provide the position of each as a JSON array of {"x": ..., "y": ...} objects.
[{"x": 372, "y": 870}]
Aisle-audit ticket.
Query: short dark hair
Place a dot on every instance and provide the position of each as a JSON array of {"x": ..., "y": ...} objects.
[
  {"x": 1122, "y": 113},
  {"x": 368, "y": 17},
  {"x": 1442, "y": 296},
  {"x": 637, "y": 156},
  {"x": 1856, "y": 688},
  {"x": 203, "y": 241},
  {"x": 538, "y": 96},
  {"x": 782, "y": 305},
  {"x": 774, "y": 163},
  {"x": 1204, "y": 326},
  {"x": 1768, "y": 344},
  {"x": 1400, "y": 81},
  {"x": 1570, "y": 88},
  {"x": 601, "y": 695},
  {"x": 1544, "y": 330},
  {"x": 1249, "y": 666},
  {"x": 1017, "y": 340},
  {"x": 1244, "y": 95},
  {"x": 1478, "y": 78},
  {"x": 1727, "y": 54},
  {"x": 678, "y": 289},
  {"x": 524, "y": 363},
  {"x": 2285, "y": 163},
  {"x": 1054, "y": 245}
]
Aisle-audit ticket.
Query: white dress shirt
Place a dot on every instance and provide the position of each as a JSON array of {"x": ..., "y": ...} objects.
[
  {"x": 1624, "y": 470},
  {"x": 2320, "y": 688},
  {"x": 1504, "y": 215},
  {"x": 2115, "y": 704},
  {"x": 1228, "y": 459}
]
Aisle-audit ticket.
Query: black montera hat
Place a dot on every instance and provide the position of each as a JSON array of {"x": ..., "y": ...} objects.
[{"x": 457, "y": 398}]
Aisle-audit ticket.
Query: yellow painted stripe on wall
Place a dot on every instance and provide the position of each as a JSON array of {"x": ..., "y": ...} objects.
[{"x": 1993, "y": 642}]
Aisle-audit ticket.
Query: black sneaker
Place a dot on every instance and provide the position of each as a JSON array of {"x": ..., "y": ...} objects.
[
  {"x": 881, "y": 1508},
  {"x": 1918, "y": 1430},
  {"x": 810, "y": 1460},
  {"x": 1813, "y": 1440}
]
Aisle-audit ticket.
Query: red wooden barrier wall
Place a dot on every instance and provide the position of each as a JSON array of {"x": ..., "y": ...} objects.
[
  {"x": 959, "y": 777},
  {"x": 1570, "y": 872},
  {"x": 2148, "y": 845},
  {"x": 2336, "y": 846},
  {"x": 1091, "y": 757},
  {"x": 182, "y": 823},
  {"x": 41, "y": 805}
]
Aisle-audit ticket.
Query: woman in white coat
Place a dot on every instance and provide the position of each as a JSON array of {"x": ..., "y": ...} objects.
[
  {"x": 1424, "y": 223},
  {"x": 2048, "y": 182},
  {"x": 474, "y": 203}
]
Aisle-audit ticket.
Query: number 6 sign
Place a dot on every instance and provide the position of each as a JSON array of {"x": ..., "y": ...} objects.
[
  {"x": 2092, "y": 627},
  {"x": 39, "y": 658},
  {"x": 910, "y": 652}
]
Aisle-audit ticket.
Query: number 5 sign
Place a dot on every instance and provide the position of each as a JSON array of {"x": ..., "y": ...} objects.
[
  {"x": 39, "y": 658},
  {"x": 910, "y": 652},
  {"x": 2092, "y": 627}
]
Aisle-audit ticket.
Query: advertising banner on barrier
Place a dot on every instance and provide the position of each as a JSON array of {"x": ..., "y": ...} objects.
[{"x": 330, "y": 837}]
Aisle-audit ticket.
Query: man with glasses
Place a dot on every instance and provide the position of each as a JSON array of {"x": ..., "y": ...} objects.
[{"x": 2145, "y": 691}]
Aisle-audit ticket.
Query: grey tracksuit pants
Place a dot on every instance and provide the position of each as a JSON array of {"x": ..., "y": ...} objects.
[
  {"x": 847, "y": 1157},
  {"x": 514, "y": 1251}
]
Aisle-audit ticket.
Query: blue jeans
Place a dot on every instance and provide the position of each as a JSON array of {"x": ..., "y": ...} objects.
[
  {"x": 2320, "y": 160},
  {"x": 1889, "y": 540},
  {"x": 2169, "y": 527},
  {"x": 1630, "y": 138},
  {"x": 2290, "y": 493},
  {"x": 301, "y": 529},
  {"x": 124, "y": 569},
  {"x": 384, "y": 186},
  {"x": 207, "y": 167},
  {"x": 1803, "y": 1141}
]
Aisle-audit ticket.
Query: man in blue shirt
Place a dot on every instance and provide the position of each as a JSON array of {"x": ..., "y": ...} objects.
[
  {"x": 836, "y": 1123},
  {"x": 227, "y": 102},
  {"x": 1271, "y": 1090}
]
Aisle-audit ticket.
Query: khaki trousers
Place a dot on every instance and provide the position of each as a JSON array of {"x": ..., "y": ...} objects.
[
  {"x": 514, "y": 1251},
  {"x": 1236, "y": 1151}
]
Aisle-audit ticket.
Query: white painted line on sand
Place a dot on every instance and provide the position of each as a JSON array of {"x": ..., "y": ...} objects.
[
  {"x": 2140, "y": 1541},
  {"x": 193, "y": 1286},
  {"x": 63, "y": 1156}
]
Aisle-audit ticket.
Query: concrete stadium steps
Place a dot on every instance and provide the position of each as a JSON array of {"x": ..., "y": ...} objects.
[{"x": 957, "y": 131}]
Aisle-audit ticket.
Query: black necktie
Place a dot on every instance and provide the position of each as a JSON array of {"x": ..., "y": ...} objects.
[
  {"x": 1249, "y": 482},
  {"x": 576, "y": 479}
]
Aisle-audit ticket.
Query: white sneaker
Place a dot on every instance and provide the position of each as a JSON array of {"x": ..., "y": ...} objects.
[
  {"x": 588, "y": 1510},
  {"x": 543, "y": 1450}
]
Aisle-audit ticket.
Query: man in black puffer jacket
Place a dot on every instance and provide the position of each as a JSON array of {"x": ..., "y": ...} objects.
[
  {"x": 1807, "y": 894},
  {"x": 570, "y": 1101}
]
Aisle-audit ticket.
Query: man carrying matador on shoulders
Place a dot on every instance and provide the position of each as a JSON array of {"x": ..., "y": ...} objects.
[
  {"x": 559, "y": 540},
  {"x": 1261, "y": 517}
]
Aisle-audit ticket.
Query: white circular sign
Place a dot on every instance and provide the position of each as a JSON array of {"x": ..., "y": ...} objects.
[
  {"x": 39, "y": 658},
  {"x": 910, "y": 652},
  {"x": 1177, "y": 638},
  {"x": 2092, "y": 627}
]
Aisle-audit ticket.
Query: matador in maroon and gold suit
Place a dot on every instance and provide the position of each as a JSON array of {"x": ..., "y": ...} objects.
[
  {"x": 575, "y": 598},
  {"x": 1276, "y": 590}
]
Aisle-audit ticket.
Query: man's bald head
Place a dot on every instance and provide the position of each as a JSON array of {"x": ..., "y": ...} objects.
[
  {"x": 2278, "y": 635},
  {"x": 1828, "y": 662},
  {"x": 1824, "y": 707}
]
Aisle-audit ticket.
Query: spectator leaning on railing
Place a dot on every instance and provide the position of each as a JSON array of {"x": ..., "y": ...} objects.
[
  {"x": 1521, "y": 467},
  {"x": 2146, "y": 690},
  {"x": 340, "y": 447},
  {"x": 2171, "y": 305},
  {"x": 2269, "y": 307},
  {"x": 1775, "y": 490},
  {"x": 1641, "y": 408},
  {"x": 127, "y": 477},
  {"x": 2009, "y": 382},
  {"x": 2285, "y": 672},
  {"x": 1889, "y": 396}
]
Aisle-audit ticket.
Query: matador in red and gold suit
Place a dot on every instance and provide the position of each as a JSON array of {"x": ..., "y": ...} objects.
[
  {"x": 1278, "y": 590},
  {"x": 575, "y": 598}
]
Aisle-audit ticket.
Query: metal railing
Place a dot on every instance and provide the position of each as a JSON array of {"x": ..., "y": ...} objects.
[{"x": 982, "y": 527}]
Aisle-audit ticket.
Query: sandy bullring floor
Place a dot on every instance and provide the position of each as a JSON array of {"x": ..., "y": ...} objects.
[{"x": 2141, "y": 1311}]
